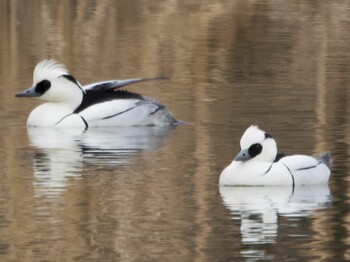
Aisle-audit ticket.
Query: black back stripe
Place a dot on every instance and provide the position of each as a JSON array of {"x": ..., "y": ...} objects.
[
  {"x": 82, "y": 118},
  {"x": 107, "y": 117},
  {"x": 86, "y": 124},
  {"x": 267, "y": 170},
  {"x": 279, "y": 156},
  {"x": 290, "y": 175},
  {"x": 309, "y": 167},
  {"x": 59, "y": 121}
]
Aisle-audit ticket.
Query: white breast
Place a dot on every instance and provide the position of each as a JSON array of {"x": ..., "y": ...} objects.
[
  {"x": 255, "y": 173},
  {"x": 51, "y": 114}
]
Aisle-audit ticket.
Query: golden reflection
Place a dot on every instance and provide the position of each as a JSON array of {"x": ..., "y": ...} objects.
[
  {"x": 230, "y": 64},
  {"x": 321, "y": 31}
]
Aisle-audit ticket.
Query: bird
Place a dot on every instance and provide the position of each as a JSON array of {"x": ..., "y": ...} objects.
[
  {"x": 100, "y": 104},
  {"x": 259, "y": 164}
]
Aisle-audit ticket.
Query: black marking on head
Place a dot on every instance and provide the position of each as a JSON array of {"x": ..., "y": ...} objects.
[
  {"x": 267, "y": 135},
  {"x": 92, "y": 97},
  {"x": 71, "y": 78},
  {"x": 42, "y": 86},
  {"x": 255, "y": 150}
]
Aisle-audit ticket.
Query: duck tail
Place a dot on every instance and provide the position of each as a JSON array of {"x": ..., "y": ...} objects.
[{"x": 326, "y": 159}]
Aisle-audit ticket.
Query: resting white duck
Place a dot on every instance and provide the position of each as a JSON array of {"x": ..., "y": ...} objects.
[
  {"x": 98, "y": 104},
  {"x": 259, "y": 164}
]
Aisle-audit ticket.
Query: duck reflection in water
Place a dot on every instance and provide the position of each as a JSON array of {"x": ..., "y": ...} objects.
[
  {"x": 258, "y": 208},
  {"x": 63, "y": 154}
]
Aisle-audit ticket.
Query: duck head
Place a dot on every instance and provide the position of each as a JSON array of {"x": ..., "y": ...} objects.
[
  {"x": 51, "y": 82},
  {"x": 258, "y": 145}
]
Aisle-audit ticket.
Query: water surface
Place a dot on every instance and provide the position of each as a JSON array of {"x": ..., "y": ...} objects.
[{"x": 152, "y": 194}]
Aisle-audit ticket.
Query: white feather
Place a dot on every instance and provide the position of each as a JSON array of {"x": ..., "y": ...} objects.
[
  {"x": 65, "y": 97},
  {"x": 261, "y": 170}
]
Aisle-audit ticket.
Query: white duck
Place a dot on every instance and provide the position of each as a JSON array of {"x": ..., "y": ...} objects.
[
  {"x": 258, "y": 164},
  {"x": 98, "y": 104}
]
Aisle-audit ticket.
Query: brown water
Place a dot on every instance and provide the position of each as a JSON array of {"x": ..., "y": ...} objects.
[{"x": 152, "y": 194}]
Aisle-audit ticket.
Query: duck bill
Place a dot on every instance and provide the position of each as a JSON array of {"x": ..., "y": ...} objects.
[
  {"x": 30, "y": 92},
  {"x": 243, "y": 155}
]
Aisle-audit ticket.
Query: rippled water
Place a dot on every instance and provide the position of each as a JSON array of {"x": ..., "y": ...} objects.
[{"x": 150, "y": 193}]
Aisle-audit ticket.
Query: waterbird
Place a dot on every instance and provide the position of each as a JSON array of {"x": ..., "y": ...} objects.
[
  {"x": 100, "y": 104},
  {"x": 259, "y": 164}
]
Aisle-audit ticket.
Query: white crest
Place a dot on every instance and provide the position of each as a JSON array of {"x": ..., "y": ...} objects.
[
  {"x": 48, "y": 68},
  {"x": 251, "y": 136}
]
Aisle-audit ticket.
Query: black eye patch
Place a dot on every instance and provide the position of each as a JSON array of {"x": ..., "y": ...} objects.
[
  {"x": 254, "y": 150},
  {"x": 42, "y": 86}
]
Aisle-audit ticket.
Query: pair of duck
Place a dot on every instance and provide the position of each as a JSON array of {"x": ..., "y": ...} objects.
[{"x": 105, "y": 104}]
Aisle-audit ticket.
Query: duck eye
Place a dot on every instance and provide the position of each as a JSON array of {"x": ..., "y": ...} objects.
[
  {"x": 255, "y": 150},
  {"x": 42, "y": 86}
]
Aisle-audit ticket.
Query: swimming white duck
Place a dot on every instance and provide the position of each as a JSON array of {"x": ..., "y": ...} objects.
[
  {"x": 259, "y": 164},
  {"x": 98, "y": 104}
]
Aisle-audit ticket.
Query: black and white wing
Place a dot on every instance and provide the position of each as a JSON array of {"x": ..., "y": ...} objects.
[{"x": 115, "y": 84}]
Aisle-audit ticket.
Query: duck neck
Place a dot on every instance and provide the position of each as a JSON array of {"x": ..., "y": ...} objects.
[{"x": 70, "y": 101}]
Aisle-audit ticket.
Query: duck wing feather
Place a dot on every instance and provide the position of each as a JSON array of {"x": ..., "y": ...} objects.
[{"x": 115, "y": 84}]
